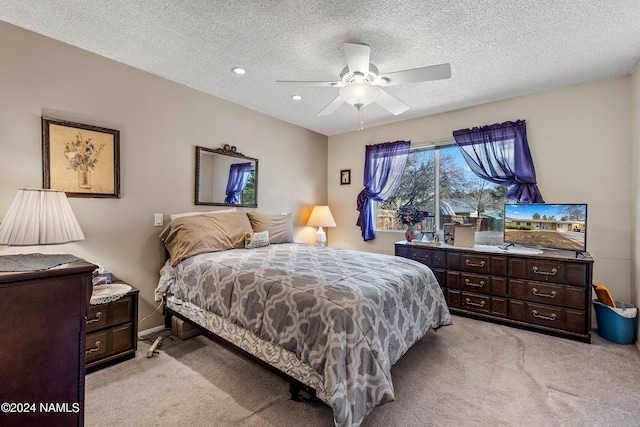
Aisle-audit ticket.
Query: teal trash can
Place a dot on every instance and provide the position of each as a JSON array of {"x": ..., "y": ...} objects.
[{"x": 616, "y": 324}]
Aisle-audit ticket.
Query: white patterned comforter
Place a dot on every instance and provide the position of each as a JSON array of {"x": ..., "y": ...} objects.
[{"x": 349, "y": 315}]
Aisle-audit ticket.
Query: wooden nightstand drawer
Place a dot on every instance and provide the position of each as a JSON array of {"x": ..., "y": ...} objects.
[
  {"x": 112, "y": 313},
  {"x": 108, "y": 342},
  {"x": 112, "y": 330},
  {"x": 97, "y": 318},
  {"x": 96, "y": 345}
]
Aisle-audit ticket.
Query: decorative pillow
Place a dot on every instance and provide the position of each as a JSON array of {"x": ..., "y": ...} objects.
[
  {"x": 180, "y": 215},
  {"x": 279, "y": 226},
  {"x": 197, "y": 234},
  {"x": 256, "y": 240}
]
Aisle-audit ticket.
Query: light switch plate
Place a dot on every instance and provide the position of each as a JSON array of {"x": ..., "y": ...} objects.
[{"x": 158, "y": 220}]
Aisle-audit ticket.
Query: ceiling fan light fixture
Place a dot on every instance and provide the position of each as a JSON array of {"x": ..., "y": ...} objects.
[{"x": 359, "y": 94}]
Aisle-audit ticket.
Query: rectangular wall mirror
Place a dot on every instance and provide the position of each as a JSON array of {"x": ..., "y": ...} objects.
[{"x": 225, "y": 178}]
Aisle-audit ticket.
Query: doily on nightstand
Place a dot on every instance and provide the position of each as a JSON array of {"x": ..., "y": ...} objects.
[{"x": 107, "y": 293}]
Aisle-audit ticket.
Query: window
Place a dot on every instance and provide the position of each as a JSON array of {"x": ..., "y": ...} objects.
[{"x": 439, "y": 176}]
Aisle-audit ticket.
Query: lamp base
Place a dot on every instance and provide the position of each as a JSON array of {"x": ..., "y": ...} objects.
[{"x": 321, "y": 237}]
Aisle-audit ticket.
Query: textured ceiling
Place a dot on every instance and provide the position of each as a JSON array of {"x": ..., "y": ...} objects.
[{"x": 497, "y": 48}]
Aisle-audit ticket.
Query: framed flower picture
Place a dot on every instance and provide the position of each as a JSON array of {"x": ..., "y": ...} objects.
[{"x": 81, "y": 160}]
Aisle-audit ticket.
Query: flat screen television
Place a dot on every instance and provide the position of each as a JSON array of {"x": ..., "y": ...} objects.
[{"x": 558, "y": 226}]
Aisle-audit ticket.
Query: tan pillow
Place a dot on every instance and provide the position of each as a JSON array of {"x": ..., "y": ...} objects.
[
  {"x": 256, "y": 240},
  {"x": 197, "y": 234},
  {"x": 180, "y": 215},
  {"x": 279, "y": 226}
]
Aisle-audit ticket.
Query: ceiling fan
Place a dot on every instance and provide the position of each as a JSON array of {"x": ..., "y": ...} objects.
[{"x": 360, "y": 82}]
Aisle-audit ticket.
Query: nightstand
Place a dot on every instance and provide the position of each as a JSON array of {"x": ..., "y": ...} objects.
[{"x": 112, "y": 331}]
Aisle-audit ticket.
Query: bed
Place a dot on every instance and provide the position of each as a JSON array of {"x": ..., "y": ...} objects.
[{"x": 332, "y": 320}]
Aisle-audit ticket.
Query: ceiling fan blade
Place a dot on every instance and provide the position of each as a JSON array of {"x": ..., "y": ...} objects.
[
  {"x": 357, "y": 57},
  {"x": 308, "y": 83},
  {"x": 333, "y": 106},
  {"x": 434, "y": 72},
  {"x": 391, "y": 103}
]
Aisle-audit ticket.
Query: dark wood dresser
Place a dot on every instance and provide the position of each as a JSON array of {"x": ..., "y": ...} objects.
[
  {"x": 549, "y": 292},
  {"x": 112, "y": 331},
  {"x": 42, "y": 345}
]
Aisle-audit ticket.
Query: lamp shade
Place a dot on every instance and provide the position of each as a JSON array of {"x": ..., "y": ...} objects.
[
  {"x": 39, "y": 217},
  {"x": 359, "y": 94},
  {"x": 321, "y": 217}
]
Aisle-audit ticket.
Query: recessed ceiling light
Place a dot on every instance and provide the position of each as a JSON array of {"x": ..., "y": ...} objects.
[
  {"x": 238, "y": 70},
  {"x": 296, "y": 97}
]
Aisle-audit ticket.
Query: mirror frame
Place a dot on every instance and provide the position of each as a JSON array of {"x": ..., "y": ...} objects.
[{"x": 224, "y": 152}]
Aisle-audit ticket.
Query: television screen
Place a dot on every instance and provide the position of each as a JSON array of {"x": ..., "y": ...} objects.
[{"x": 559, "y": 226}]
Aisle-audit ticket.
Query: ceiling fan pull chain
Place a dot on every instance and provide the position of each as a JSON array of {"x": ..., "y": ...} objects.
[{"x": 360, "y": 120}]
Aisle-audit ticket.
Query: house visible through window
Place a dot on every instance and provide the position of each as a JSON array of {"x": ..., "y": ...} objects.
[{"x": 439, "y": 177}]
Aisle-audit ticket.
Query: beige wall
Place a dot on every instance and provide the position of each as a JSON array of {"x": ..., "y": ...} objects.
[
  {"x": 160, "y": 123},
  {"x": 580, "y": 140}
]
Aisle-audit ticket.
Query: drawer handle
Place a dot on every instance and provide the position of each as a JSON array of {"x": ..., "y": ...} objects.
[
  {"x": 470, "y": 264},
  {"x": 475, "y": 304},
  {"x": 95, "y": 319},
  {"x": 553, "y": 272},
  {"x": 477, "y": 285},
  {"x": 540, "y": 294},
  {"x": 421, "y": 258},
  {"x": 540, "y": 316},
  {"x": 94, "y": 349}
]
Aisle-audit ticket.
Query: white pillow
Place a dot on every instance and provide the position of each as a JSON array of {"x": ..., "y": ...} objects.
[
  {"x": 180, "y": 215},
  {"x": 256, "y": 240}
]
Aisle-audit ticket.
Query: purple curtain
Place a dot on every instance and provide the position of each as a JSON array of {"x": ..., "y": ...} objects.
[
  {"x": 500, "y": 153},
  {"x": 383, "y": 168},
  {"x": 238, "y": 176}
]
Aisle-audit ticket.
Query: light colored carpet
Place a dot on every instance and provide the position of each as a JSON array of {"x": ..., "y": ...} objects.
[{"x": 472, "y": 373}]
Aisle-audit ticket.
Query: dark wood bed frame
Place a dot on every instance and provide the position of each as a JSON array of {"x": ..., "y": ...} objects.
[{"x": 295, "y": 387}]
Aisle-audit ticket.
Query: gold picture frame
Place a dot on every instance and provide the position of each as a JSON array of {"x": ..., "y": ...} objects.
[{"x": 81, "y": 160}]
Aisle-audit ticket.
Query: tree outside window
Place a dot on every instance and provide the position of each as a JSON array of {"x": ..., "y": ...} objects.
[{"x": 440, "y": 177}]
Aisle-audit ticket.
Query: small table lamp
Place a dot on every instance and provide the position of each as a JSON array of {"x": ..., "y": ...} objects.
[
  {"x": 39, "y": 217},
  {"x": 321, "y": 217}
]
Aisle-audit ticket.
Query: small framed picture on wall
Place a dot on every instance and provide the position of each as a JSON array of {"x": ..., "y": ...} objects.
[{"x": 345, "y": 177}]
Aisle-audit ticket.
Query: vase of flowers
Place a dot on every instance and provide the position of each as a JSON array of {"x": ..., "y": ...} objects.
[
  {"x": 82, "y": 155},
  {"x": 411, "y": 216},
  {"x": 84, "y": 177}
]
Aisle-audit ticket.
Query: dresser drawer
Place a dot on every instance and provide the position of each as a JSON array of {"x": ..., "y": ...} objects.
[
  {"x": 483, "y": 304},
  {"x": 480, "y": 283},
  {"x": 477, "y": 263},
  {"x": 108, "y": 314},
  {"x": 550, "y": 271},
  {"x": 546, "y": 315},
  {"x": 108, "y": 342},
  {"x": 548, "y": 293},
  {"x": 429, "y": 257}
]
